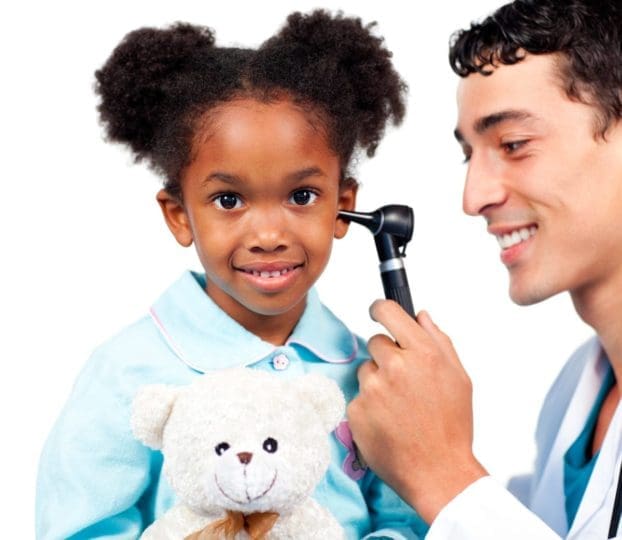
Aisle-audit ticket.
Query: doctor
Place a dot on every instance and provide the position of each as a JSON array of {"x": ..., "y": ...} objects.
[{"x": 540, "y": 124}]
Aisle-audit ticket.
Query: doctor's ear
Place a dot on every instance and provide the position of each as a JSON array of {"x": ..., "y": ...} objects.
[
  {"x": 347, "y": 201},
  {"x": 175, "y": 216}
]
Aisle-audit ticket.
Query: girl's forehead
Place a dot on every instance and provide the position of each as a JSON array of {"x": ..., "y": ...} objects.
[
  {"x": 248, "y": 138},
  {"x": 247, "y": 125},
  {"x": 281, "y": 114}
]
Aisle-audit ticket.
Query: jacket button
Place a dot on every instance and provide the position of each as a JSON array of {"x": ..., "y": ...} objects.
[{"x": 280, "y": 362}]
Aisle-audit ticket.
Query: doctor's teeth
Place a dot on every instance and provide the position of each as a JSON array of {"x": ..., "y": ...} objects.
[{"x": 516, "y": 237}]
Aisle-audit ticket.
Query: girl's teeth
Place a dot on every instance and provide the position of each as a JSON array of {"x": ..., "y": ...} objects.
[
  {"x": 273, "y": 274},
  {"x": 516, "y": 237}
]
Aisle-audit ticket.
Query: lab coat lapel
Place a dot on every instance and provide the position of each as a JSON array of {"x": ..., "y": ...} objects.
[
  {"x": 548, "y": 498},
  {"x": 599, "y": 492}
]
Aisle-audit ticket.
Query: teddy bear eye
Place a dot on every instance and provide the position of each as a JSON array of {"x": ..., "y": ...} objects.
[
  {"x": 222, "y": 447},
  {"x": 270, "y": 445}
]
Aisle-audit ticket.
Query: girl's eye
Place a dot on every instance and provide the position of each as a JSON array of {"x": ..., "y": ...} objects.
[
  {"x": 303, "y": 197},
  {"x": 228, "y": 201}
]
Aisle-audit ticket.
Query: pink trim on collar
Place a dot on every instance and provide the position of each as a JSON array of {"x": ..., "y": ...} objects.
[
  {"x": 347, "y": 360},
  {"x": 173, "y": 346},
  {"x": 170, "y": 341}
]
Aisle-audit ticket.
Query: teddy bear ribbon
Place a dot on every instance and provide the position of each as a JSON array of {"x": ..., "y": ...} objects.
[{"x": 257, "y": 526}]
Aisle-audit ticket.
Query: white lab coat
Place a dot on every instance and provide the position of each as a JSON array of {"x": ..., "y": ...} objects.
[{"x": 486, "y": 511}]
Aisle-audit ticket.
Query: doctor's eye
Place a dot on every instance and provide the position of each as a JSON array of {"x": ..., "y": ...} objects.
[
  {"x": 511, "y": 147},
  {"x": 221, "y": 447},
  {"x": 270, "y": 445}
]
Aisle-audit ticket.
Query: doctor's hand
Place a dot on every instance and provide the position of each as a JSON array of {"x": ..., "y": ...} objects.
[{"x": 413, "y": 418}]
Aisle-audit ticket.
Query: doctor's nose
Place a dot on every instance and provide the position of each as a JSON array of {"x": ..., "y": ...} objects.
[{"x": 483, "y": 188}]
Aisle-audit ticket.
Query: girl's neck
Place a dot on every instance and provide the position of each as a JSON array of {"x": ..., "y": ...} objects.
[{"x": 272, "y": 328}]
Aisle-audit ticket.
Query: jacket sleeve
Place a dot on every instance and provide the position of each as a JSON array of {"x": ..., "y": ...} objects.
[
  {"x": 92, "y": 472},
  {"x": 391, "y": 517},
  {"x": 486, "y": 511}
]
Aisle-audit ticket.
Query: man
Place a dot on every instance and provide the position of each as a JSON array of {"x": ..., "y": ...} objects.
[{"x": 539, "y": 121}]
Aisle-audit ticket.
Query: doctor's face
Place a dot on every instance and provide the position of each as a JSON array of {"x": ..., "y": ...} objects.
[{"x": 549, "y": 188}]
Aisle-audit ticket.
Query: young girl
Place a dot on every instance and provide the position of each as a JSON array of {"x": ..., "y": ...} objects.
[{"x": 254, "y": 147}]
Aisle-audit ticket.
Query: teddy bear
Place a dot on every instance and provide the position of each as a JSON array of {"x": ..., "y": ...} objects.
[{"x": 243, "y": 451}]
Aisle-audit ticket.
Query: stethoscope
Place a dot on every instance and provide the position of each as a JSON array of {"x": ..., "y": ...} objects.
[{"x": 617, "y": 508}]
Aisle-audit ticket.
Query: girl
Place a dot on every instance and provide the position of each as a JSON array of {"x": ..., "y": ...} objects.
[{"x": 254, "y": 147}]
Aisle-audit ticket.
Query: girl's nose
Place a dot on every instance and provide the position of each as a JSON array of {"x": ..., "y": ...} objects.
[
  {"x": 267, "y": 230},
  {"x": 483, "y": 189}
]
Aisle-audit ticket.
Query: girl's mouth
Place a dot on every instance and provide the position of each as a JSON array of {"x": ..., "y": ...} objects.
[
  {"x": 271, "y": 273},
  {"x": 271, "y": 278}
]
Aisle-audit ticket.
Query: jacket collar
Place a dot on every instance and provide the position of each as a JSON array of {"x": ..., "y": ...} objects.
[
  {"x": 582, "y": 384},
  {"x": 205, "y": 338}
]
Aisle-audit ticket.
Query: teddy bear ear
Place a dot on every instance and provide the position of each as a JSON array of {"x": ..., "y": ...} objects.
[
  {"x": 151, "y": 408},
  {"x": 325, "y": 397}
]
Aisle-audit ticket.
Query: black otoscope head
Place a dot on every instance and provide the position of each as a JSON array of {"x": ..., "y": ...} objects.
[{"x": 391, "y": 225}]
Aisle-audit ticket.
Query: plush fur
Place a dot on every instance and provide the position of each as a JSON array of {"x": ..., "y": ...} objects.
[{"x": 242, "y": 440}]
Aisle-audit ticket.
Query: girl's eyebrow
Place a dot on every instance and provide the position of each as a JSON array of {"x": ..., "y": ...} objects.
[
  {"x": 303, "y": 174},
  {"x": 296, "y": 176},
  {"x": 223, "y": 177}
]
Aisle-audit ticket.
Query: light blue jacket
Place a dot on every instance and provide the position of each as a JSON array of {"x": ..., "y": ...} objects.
[{"x": 96, "y": 481}]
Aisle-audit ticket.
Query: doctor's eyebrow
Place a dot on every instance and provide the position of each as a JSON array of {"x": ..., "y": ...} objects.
[{"x": 491, "y": 120}]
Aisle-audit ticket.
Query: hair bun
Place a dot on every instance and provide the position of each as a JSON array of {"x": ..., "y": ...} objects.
[
  {"x": 361, "y": 82},
  {"x": 137, "y": 84}
]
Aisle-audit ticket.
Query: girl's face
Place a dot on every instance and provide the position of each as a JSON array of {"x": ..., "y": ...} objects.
[{"x": 260, "y": 202}]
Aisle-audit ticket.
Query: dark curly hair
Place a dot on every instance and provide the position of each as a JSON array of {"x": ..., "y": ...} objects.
[
  {"x": 159, "y": 84},
  {"x": 587, "y": 34}
]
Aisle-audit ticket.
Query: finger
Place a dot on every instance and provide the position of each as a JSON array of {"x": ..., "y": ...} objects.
[
  {"x": 365, "y": 371},
  {"x": 440, "y": 338},
  {"x": 398, "y": 323},
  {"x": 381, "y": 345}
]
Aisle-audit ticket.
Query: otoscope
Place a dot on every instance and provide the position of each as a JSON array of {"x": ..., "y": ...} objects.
[{"x": 392, "y": 227}]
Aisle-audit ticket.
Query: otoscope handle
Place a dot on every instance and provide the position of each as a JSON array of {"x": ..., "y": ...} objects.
[{"x": 395, "y": 285}]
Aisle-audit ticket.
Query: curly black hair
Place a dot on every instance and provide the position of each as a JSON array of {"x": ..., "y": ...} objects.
[
  {"x": 158, "y": 85},
  {"x": 587, "y": 34}
]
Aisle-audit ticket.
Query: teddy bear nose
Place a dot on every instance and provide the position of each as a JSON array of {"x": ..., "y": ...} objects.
[{"x": 245, "y": 457}]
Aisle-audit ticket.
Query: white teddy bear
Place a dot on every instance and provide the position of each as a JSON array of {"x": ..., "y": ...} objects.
[{"x": 243, "y": 451}]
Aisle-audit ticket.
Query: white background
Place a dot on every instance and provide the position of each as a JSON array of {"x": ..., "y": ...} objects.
[{"x": 85, "y": 250}]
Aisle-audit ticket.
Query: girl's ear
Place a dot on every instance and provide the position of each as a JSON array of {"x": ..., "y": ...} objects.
[
  {"x": 347, "y": 201},
  {"x": 176, "y": 217}
]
